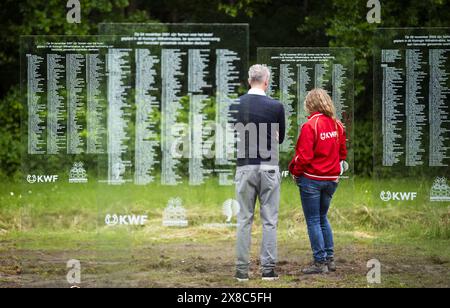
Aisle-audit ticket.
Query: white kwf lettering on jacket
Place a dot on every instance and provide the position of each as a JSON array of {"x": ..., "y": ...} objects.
[{"x": 330, "y": 135}]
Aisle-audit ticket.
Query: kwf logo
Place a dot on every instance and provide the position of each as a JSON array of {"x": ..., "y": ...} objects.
[
  {"x": 33, "y": 179},
  {"x": 331, "y": 135},
  {"x": 387, "y": 196},
  {"x": 125, "y": 220}
]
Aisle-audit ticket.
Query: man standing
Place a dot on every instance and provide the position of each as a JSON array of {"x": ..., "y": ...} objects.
[{"x": 260, "y": 127}]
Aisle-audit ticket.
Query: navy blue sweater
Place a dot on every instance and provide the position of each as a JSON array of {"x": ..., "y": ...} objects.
[{"x": 266, "y": 115}]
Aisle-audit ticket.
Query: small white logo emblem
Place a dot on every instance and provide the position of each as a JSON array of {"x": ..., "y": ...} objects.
[
  {"x": 175, "y": 214},
  {"x": 386, "y": 196},
  {"x": 78, "y": 174},
  {"x": 230, "y": 209},
  {"x": 440, "y": 192}
]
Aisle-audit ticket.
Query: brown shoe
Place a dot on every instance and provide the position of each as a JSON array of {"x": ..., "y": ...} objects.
[
  {"x": 316, "y": 268},
  {"x": 331, "y": 264}
]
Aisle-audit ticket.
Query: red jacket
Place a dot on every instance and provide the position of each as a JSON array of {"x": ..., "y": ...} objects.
[{"x": 321, "y": 147}]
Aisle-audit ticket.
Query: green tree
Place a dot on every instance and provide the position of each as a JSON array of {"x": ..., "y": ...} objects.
[{"x": 31, "y": 17}]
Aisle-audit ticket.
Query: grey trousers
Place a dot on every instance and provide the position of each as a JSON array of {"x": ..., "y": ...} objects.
[{"x": 254, "y": 182}]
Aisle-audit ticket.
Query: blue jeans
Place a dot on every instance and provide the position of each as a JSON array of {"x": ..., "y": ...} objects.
[{"x": 316, "y": 200}]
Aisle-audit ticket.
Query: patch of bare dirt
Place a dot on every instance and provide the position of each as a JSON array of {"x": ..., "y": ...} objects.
[{"x": 212, "y": 265}]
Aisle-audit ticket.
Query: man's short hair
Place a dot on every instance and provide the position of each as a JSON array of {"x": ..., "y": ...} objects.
[{"x": 258, "y": 74}]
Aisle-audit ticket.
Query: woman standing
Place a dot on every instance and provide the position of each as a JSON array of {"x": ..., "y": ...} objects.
[{"x": 320, "y": 156}]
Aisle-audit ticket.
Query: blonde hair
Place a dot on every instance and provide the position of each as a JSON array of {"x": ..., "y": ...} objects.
[{"x": 318, "y": 100}]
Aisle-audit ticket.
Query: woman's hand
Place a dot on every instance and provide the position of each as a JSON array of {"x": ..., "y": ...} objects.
[{"x": 344, "y": 167}]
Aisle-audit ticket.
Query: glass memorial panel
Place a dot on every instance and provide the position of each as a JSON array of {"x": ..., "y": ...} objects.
[
  {"x": 296, "y": 71},
  {"x": 171, "y": 155},
  {"x": 64, "y": 84},
  {"x": 411, "y": 112},
  {"x": 187, "y": 75}
]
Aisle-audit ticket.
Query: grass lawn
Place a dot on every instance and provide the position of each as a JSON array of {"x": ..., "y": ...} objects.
[{"x": 42, "y": 227}]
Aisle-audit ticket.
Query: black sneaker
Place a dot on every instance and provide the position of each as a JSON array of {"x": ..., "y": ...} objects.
[
  {"x": 270, "y": 276},
  {"x": 241, "y": 277},
  {"x": 316, "y": 268},
  {"x": 331, "y": 264}
]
